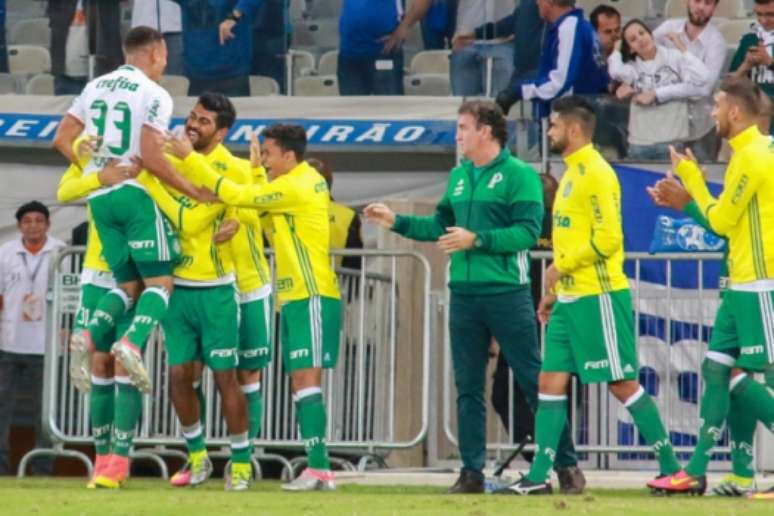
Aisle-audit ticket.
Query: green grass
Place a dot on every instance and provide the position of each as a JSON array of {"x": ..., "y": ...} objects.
[{"x": 154, "y": 497}]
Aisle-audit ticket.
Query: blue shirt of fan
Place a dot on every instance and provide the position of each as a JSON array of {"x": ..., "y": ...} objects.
[{"x": 363, "y": 23}]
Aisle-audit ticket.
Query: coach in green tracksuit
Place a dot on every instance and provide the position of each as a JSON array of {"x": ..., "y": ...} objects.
[{"x": 487, "y": 220}]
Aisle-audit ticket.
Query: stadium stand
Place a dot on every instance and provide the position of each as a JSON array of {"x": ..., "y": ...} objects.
[
  {"x": 7, "y": 84},
  {"x": 40, "y": 84},
  {"x": 726, "y": 9},
  {"x": 29, "y": 59},
  {"x": 328, "y": 63},
  {"x": 733, "y": 30},
  {"x": 627, "y": 8},
  {"x": 431, "y": 61},
  {"x": 176, "y": 85},
  {"x": 33, "y": 31},
  {"x": 316, "y": 86},
  {"x": 433, "y": 84},
  {"x": 263, "y": 86}
]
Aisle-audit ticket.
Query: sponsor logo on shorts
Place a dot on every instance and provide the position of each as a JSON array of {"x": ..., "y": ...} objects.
[
  {"x": 143, "y": 319},
  {"x": 101, "y": 314},
  {"x": 223, "y": 353},
  {"x": 752, "y": 350},
  {"x": 312, "y": 442},
  {"x": 142, "y": 244},
  {"x": 598, "y": 364},
  {"x": 327, "y": 357},
  {"x": 628, "y": 368},
  {"x": 252, "y": 353},
  {"x": 299, "y": 353}
]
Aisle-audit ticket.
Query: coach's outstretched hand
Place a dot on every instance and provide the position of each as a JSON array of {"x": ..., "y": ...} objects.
[{"x": 380, "y": 215}]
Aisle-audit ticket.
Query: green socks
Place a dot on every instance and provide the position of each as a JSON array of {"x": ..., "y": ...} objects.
[
  {"x": 194, "y": 437},
  {"x": 741, "y": 425},
  {"x": 101, "y": 412},
  {"x": 311, "y": 422},
  {"x": 107, "y": 313},
  {"x": 550, "y": 418},
  {"x": 716, "y": 372},
  {"x": 151, "y": 308},
  {"x": 646, "y": 417},
  {"x": 240, "y": 448},
  {"x": 128, "y": 406},
  {"x": 254, "y": 409}
]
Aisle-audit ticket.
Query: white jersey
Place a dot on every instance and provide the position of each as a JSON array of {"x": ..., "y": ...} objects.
[
  {"x": 23, "y": 286},
  {"x": 115, "y": 107}
]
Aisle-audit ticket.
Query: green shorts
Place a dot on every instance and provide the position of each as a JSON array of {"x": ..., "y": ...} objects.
[
  {"x": 744, "y": 328},
  {"x": 255, "y": 334},
  {"x": 593, "y": 337},
  {"x": 137, "y": 240},
  {"x": 202, "y": 323},
  {"x": 311, "y": 330}
]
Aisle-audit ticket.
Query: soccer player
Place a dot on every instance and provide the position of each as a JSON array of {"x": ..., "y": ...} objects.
[
  {"x": 98, "y": 377},
  {"x": 670, "y": 193},
  {"x": 588, "y": 308},
  {"x": 202, "y": 323},
  {"x": 130, "y": 113},
  {"x": 743, "y": 334},
  {"x": 488, "y": 219},
  {"x": 297, "y": 199}
]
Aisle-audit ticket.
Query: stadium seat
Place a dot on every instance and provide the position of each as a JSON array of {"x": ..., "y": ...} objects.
[
  {"x": 431, "y": 61},
  {"x": 40, "y": 84},
  {"x": 329, "y": 63},
  {"x": 34, "y": 31},
  {"x": 733, "y": 30},
  {"x": 324, "y": 8},
  {"x": 725, "y": 9},
  {"x": 303, "y": 62},
  {"x": 261, "y": 86},
  {"x": 176, "y": 85},
  {"x": 428, "y": 84},
  {"x": 316, "y": 86},
  {"x": 297, "y": 10},
  {"x": 325, "y": 33},
  {"x": 29, "y": 59},
  {"x": 627, "y": 8},
  {"x": 301, "y": 35},
  {"x": 7, "y": 84}
]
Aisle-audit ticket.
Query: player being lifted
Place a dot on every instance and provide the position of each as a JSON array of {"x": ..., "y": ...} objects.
[
  {"x": 297, "y": 199},
  {"x": 588, "y": 308},
  {"x": 743, "y": 332},
  {"x": 129, "y": 113}
]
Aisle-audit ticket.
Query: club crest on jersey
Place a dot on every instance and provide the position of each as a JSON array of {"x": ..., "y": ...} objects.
[
  {"x": 498, "y": 177},
  {"x": 459, "y": 188}
]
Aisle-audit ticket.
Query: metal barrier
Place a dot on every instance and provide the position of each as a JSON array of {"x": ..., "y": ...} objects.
[
  {"x": 360, "y": 392},
  {"x": 672, "y": 326}
]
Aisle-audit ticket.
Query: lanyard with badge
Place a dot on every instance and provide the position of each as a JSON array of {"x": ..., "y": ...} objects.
[{"x": 32, "y": 305}]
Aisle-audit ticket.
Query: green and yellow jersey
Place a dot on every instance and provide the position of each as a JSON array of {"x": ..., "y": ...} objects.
[
  {"x": 743, "y": 208},
  {"x": 587, "y": 233},
  {"x": 298, "y": 204},
  {"x": 202, "y": 262},
  {"x": 252, "y": 270}
]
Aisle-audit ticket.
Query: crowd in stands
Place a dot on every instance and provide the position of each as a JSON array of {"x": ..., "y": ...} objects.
[{"x": 655, "y": 77}]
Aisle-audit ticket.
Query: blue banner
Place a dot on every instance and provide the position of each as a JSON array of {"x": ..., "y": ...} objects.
[{"x": 41, "y": 128}]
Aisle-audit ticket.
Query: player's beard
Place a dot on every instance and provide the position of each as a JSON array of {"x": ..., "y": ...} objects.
[
  {"x": 721, "y": 128},
  {"x": 558, "y": 146},
  {"x": 201, "y": 141}
]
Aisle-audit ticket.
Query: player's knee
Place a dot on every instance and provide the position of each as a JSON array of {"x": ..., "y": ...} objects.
[
  {"x": 624, "y": 389},
  {"x": 553, "y": 383},
  {"x": 102, "y": 365},
  {"x": 226, "y": 380},
  {"x": 717, "y": 367},
  {"x": 247, "y": 376},
  {"x": 181, "y": 378}
]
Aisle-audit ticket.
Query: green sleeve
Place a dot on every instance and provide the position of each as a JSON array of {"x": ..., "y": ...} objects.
[
  {"x": 692, "y": 210},
  {"x": 426, "y": 228},
  {"x": 745, "y": 43}
]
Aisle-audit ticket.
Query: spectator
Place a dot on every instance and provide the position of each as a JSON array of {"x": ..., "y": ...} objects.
[
  {"x": 164, "y": 16},
  {"x": 571, "y": 60},
  {"x": 526, "y": 27},
  {"x": 218, "y": 45},
  {"x": 105, "y": 43},
  {"x": 438, "y": 25},
  {"x": 753, "y": 57},
  {"x": 469, "y": 60},
  {"x": 345, "y": 223},
  {"x": 706, "y": 42},
  {"x": 271, "y": 29},
  {"x": 3, "y": 48},
  {"x": 659, "y": 81},
  {"x": 60, "y": 16},
  {"x": 372, "y": 33},
  {"x": 24, "y": 266},
  {"x": 606, "y": 21}
]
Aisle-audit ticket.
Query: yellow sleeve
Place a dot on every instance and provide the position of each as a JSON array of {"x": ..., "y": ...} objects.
[
  {"x": 275, "y": 196},
  {"x": 606, "y": 234},
  {"x": 186, "y": 219},
  {"x": 740, "y": 185},
  {"x": 74, "y": 185},
  {"x": 260, "y": 177}
]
